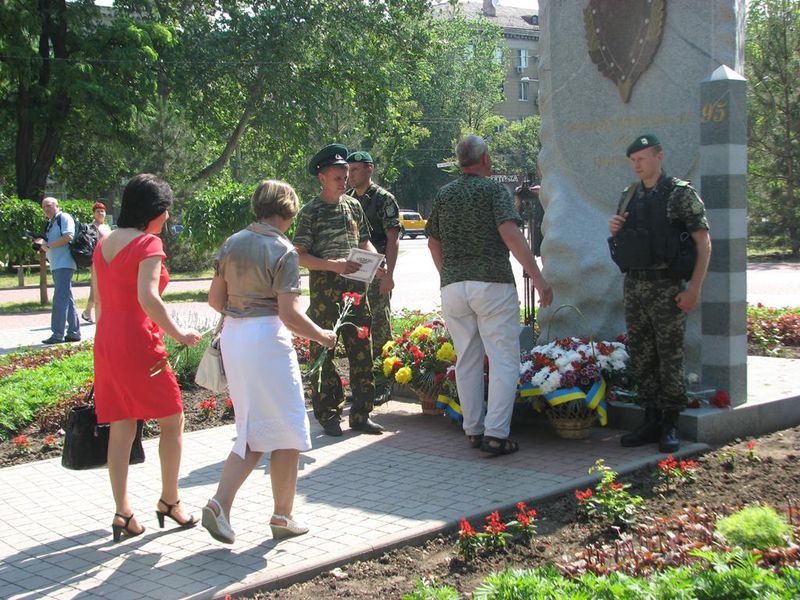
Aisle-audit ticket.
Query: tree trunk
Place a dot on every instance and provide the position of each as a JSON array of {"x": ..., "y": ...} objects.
[
  {"x": 32, "y": 171},
  {"x": 255, "y": 95}
]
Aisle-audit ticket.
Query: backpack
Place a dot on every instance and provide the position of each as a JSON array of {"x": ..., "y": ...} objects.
[{"x": 83, "y": 242}]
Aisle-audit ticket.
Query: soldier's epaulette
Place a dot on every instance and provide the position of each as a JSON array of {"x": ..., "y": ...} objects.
[{"x": 681, "y": 182}]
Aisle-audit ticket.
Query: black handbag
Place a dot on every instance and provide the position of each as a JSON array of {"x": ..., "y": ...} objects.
[{"x": 86, "y": 441}]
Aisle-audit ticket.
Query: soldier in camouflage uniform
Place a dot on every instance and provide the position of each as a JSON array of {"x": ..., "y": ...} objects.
[
  {"x": 656, "y": 300},
  {"x": 327, "y": 228},
  {"x": 383, "y": 216},
  {"x": 471, "y": 229}
]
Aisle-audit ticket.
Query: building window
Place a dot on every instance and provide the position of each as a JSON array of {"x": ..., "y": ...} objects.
[
  {"x": 523, "y": 91},
  {"x": 522, "y": 59},
  {"x": 498, "y": 56}
]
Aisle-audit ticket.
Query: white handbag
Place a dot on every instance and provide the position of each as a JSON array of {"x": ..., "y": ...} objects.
[{"x": 211, "y": 372}]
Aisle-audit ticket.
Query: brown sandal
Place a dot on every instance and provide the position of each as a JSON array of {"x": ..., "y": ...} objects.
[
  {"x": 499, "y": 446},
  {"x": 475, "y": 441}
]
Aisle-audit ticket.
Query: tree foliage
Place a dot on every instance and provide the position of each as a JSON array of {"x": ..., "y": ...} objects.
[
  {"x": 458, "y": 85},
  {"x": 516, "y": 148},
  {"x": 773, "y": 64},
  {"x": 64, "y": 67}
]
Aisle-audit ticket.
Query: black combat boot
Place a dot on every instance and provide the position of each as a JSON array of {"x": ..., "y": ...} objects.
[
  {"x": 669, "y": 441},
  {"x": 647, "y": 433}
]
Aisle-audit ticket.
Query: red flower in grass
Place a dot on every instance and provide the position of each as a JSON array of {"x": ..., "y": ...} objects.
[
  {"x": 583, "y": 496},
  {"x": 751, "y": 444},
  {"x": 363, "y": 332},
  {"x": 721, "y": 400},
  {"x": 493, "y": 524},
  {"x": 22, "y": 443},
  {"x": 616, "y": 486},
  {"x": 466, "y": 529},
  {"x": 524, "y": 516},
  {"x": 228, "y": 403},
  {"x": 668, "y": 463}
]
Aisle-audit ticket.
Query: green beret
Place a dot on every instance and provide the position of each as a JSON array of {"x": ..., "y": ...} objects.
[
  {"x": 333, "y": 154},
  {"x": 361, "y": 156},
  {"x": 648, "y": 140}
]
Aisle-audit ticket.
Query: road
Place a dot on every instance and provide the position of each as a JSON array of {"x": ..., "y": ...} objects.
[{"x": 416, "y": 288}]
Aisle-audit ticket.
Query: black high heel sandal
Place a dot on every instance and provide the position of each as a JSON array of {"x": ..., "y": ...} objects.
[
  {"x": 119, "y": 530},
  {"x": 187, "y": 524}
]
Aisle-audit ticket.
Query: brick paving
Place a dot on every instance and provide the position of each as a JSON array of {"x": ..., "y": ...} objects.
[{"x": 360, "y": 494}]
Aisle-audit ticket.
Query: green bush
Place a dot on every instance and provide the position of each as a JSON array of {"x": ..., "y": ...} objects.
[
  {"x": 755, "y": 527},
  {"x": 728, "y": 578},
  {"x": 528, "y": 584},
  {"x": 216, "y": 213},
  {"x": 23, "y": 392},
  {"x": 429, "y": 591}
]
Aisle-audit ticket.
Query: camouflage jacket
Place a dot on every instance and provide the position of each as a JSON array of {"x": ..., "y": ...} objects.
[
  {"x": 382, "y": 212},
  {"x": 330, "y": 229}
]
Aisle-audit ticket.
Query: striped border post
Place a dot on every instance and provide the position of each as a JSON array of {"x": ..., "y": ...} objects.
[{"x": 723, "y": 184}]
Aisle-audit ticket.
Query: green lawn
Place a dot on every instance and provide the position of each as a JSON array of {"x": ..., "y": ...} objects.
[
  {"x": 20, "y": 308},
  {"x": 9, "y": 280}
]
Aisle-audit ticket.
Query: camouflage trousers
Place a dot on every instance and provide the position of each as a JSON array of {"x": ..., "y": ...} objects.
[
  {"x": 326, "y": 298},
  {"x": 381, "y": 330},
  {"x": 656, "y": 331}
]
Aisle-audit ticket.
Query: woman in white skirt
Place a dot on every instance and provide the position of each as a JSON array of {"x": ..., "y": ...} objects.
[{"x": 256, "y": 286}]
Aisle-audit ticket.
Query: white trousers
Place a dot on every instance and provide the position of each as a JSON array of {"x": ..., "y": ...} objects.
[{"x": 483, "y": 318}]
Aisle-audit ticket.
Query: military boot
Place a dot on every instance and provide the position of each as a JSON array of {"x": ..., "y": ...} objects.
[
  {"x": 669, "y": 441},
  {"x": 647, "y": 433}
]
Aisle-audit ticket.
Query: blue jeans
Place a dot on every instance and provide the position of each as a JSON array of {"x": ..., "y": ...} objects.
[{"x": 64, "y": 312}]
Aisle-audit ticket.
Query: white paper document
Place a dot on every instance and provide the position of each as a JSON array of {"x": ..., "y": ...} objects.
[{"x": 369, "y": 261}]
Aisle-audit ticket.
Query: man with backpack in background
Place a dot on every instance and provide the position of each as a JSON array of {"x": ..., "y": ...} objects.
[{"x": 59, "y": 234}]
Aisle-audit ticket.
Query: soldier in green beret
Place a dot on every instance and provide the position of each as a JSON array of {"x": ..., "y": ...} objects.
[
  {"x": 658, "y": 218},
  {"x": 383, "y": 215},
  {"x": 327, "y": 228}
]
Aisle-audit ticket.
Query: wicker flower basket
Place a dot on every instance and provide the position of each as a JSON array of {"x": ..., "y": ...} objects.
[
  {"x": 427, "y": 400},
  {"x": 573, "y": 428}
]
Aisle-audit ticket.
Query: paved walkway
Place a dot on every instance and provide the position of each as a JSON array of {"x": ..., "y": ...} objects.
[{"x": 361, "y": 495}]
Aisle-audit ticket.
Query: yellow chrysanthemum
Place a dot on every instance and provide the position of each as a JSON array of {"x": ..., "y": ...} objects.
[
  {"x": 388, "y": 365},
  {"x": 387, "y": 347},
  {"x": 446, "y": 353},
  {"x": 403, "y": 375},
  {"x": 420, "y": 331}
]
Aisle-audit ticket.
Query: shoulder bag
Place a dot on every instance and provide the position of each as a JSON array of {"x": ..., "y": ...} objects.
[{"x": 211, "y": 372}]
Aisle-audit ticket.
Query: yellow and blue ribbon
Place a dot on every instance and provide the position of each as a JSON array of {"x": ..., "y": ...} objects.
[{"x": 450, "y": 406}]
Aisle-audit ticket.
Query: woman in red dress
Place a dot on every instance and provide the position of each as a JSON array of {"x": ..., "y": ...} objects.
[{"x": 129, "y": 277}]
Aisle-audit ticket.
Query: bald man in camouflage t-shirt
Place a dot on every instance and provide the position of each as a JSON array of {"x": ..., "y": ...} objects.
[{"x": 471, "y": 230}]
